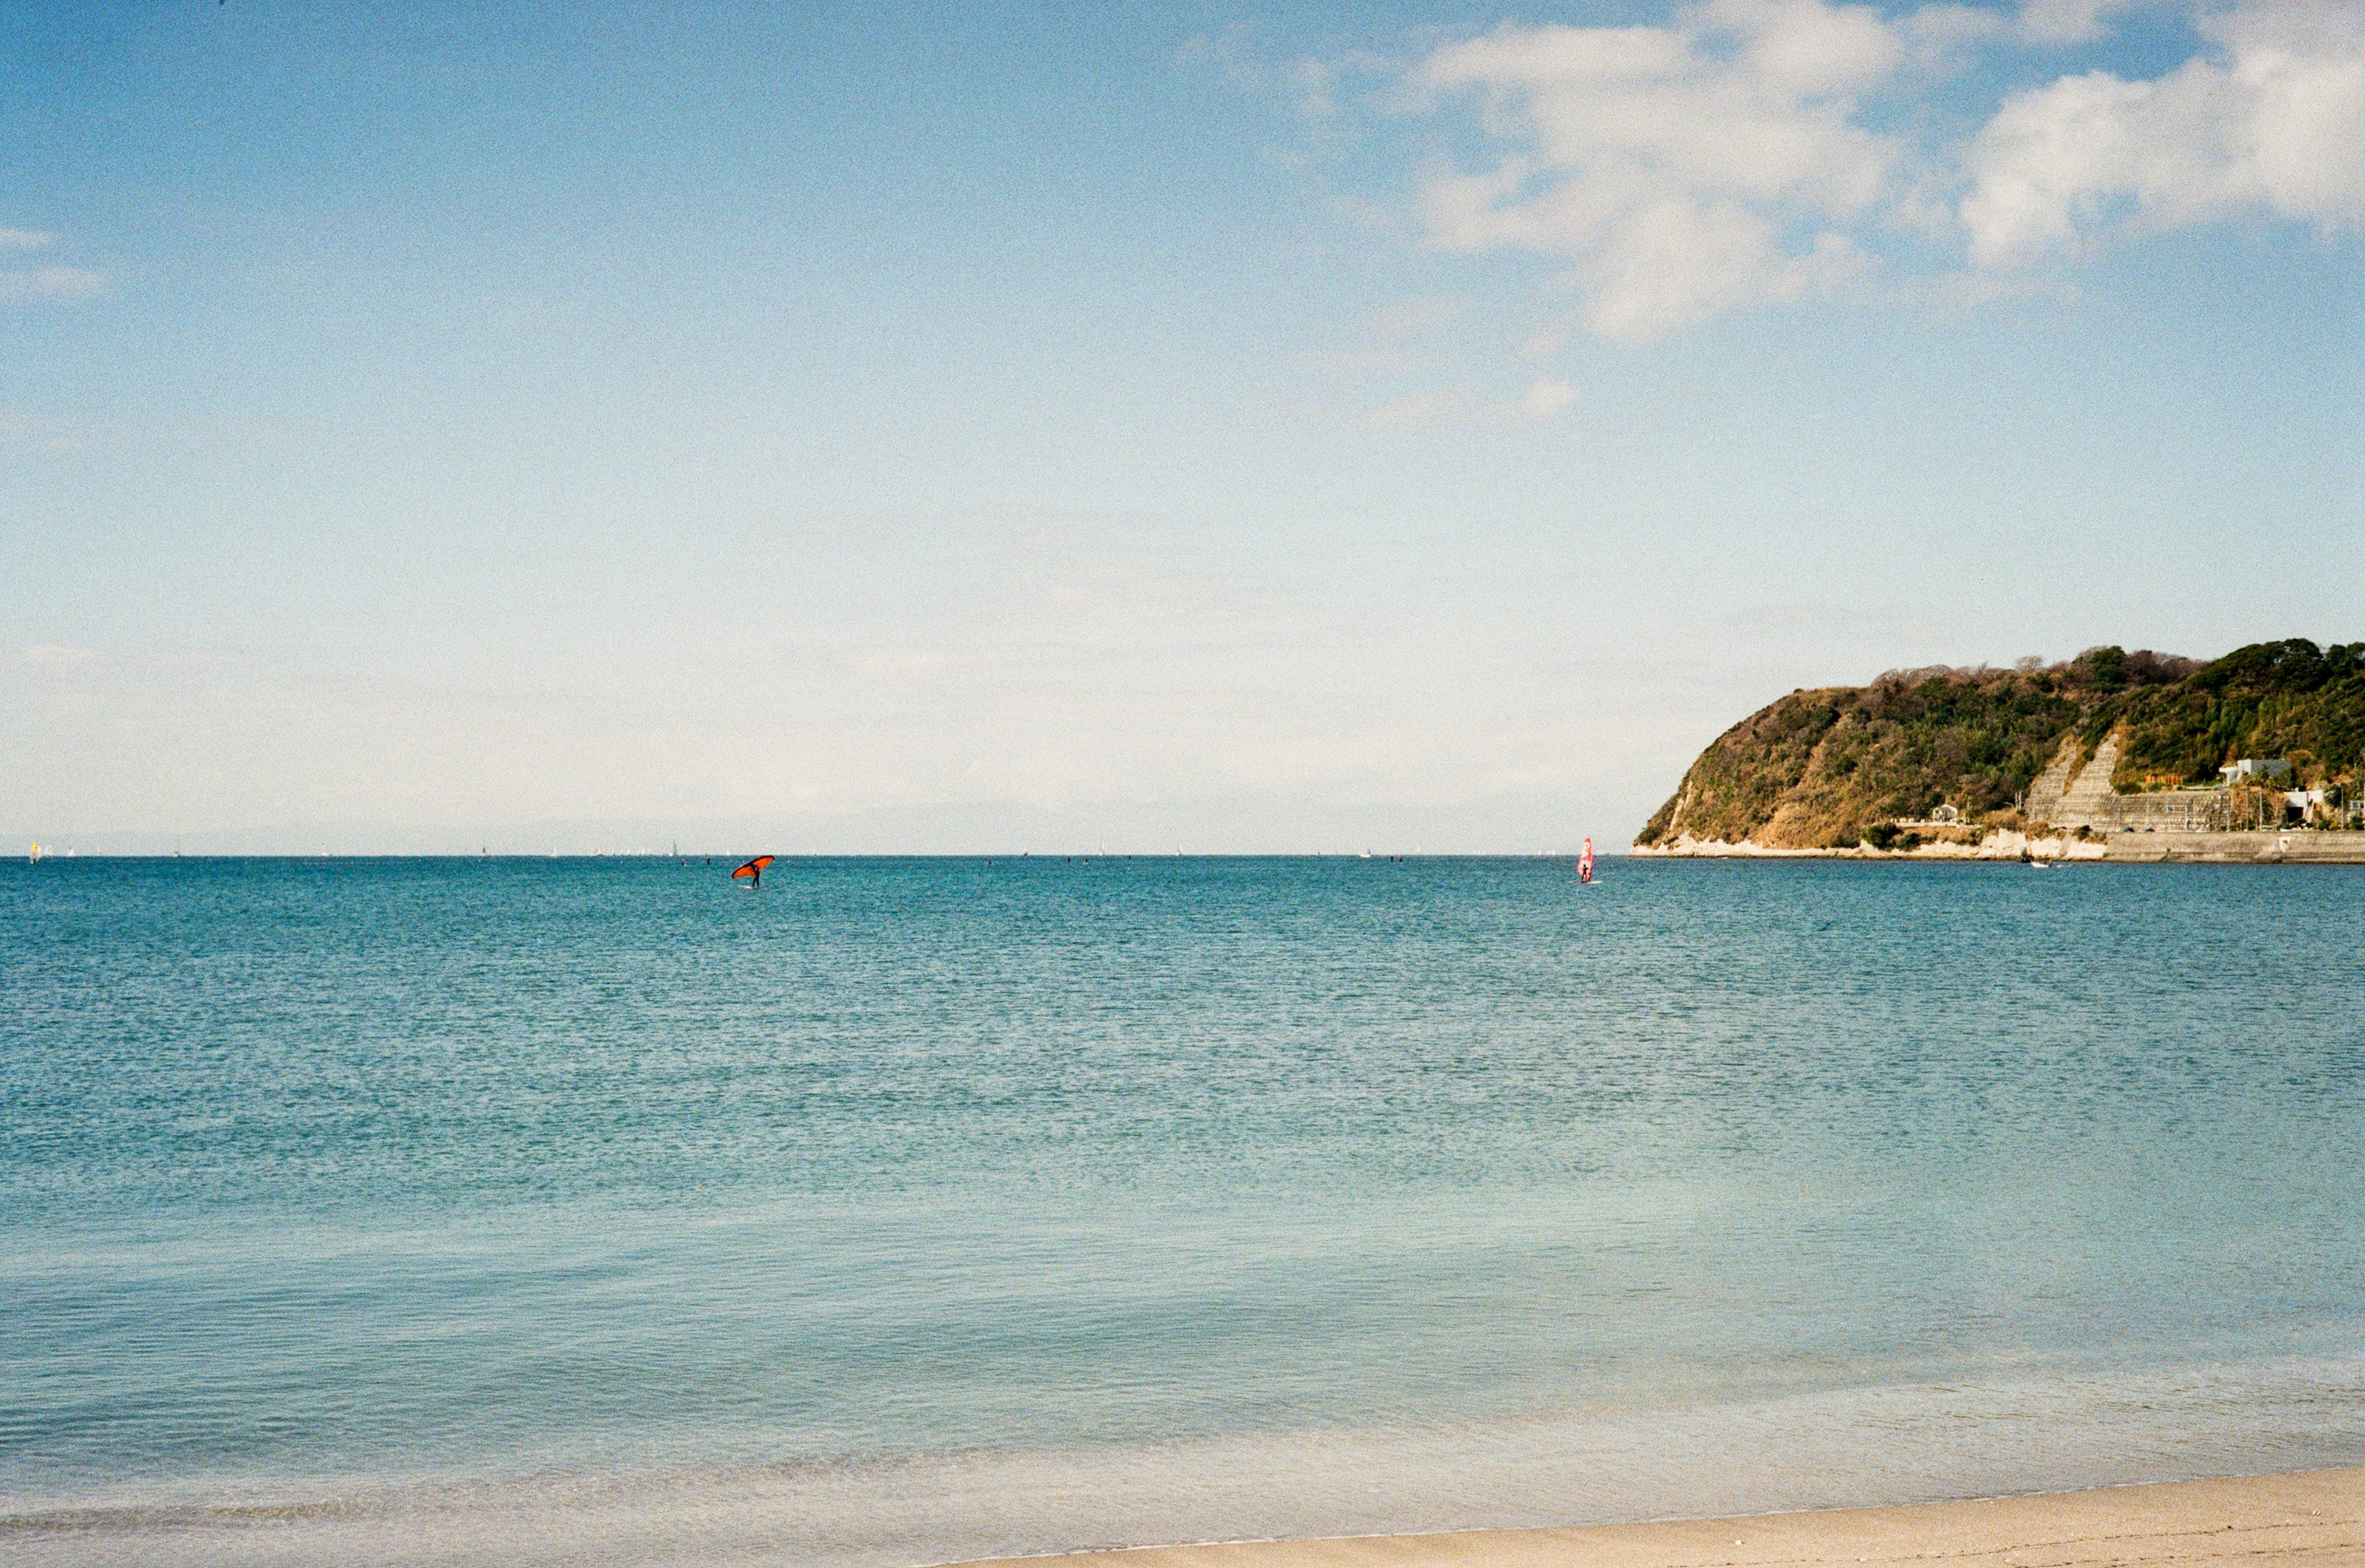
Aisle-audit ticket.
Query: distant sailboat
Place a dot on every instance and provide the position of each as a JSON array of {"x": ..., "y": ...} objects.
[{"x": 37, "y": 855}]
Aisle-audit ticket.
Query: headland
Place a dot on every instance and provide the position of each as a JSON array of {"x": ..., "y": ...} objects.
[{"x": 2255, "y": 757}]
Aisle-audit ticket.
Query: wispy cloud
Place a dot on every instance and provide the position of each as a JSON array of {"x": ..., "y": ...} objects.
[
  {"x": 2069, "y": 21},
  {"x": 49, "y": 282},
  {"x": 1307, "y": 85},
  {"x": 1383, "y": 360},
  {"x": 1546, "y": 397},
  {"x": 1409, "y": 316},
  {"x": 1395, "y": 329},
  {"x": 899, "y": 662},
  {"x": 1421, "y": 408},
  {"x": 20, "y": 429},
  {"x": 26, "y": 239},
  {"x": 58, "y": 656},
  {"x": 1547, "y": 340}
]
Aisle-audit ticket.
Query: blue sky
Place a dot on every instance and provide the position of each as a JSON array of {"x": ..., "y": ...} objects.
[{"x": 1213, "y": 426}]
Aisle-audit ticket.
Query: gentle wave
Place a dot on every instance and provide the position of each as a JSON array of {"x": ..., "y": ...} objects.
[{"x": 1894, "y": 1444}]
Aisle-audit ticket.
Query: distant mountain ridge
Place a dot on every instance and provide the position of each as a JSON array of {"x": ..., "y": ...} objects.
[{"x": 1821, "y": 769}]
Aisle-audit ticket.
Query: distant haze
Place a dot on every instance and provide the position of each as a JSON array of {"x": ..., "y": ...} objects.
[{"x": 432, "y": 428}]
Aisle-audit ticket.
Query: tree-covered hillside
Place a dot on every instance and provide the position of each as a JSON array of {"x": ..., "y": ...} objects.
[{"x": 1817, "y": 769}]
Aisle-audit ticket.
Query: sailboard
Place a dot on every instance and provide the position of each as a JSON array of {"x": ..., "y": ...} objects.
[
  {"x": 1585, "y": 862},
  {"x": 753, "y": 870}
]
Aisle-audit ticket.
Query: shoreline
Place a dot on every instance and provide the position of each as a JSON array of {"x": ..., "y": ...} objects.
[
  {"x": 2313, "y": 847},
  {"x": 2311, "y": 1516}
]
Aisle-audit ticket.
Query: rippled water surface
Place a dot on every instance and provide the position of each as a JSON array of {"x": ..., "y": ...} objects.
[{"x": 604, "y": 1211}]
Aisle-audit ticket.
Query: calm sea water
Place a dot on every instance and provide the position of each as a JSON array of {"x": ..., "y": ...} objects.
[{"x": 902, "y": 1211}]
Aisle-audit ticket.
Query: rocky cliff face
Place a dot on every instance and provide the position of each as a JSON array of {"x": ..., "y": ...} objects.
[{"x": 1820, "y": 769}]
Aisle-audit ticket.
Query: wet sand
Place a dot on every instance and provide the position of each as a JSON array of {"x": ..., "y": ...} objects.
[{"x": 2315, "y": 1517}]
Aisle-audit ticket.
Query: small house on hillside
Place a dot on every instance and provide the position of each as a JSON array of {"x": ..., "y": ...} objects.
[{"x": 2260, "y": 768}]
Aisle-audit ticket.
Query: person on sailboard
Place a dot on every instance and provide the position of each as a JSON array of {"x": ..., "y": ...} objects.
[
  {"x": 1585, "y": 862},
  {"x": 753, "y": 870}
]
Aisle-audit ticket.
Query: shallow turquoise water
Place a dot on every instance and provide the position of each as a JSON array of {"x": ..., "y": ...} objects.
[{"x": 605, "y": 1211}]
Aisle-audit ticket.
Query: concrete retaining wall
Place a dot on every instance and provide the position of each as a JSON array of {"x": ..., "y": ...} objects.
[
  {"x": 2246, "y": 848},
  {"x": 2071, "y": 796}
]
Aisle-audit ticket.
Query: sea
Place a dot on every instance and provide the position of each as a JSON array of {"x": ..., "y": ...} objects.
[{"x": 897, "y": 1212}]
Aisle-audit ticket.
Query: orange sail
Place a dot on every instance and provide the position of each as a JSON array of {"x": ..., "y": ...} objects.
[{"x": 754, "y": 869}]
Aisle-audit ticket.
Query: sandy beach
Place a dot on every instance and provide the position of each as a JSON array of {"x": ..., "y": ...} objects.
[{"x": 2313, "y": 1516}]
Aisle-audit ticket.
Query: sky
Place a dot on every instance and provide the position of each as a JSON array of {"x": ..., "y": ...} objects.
[{"x": 1208, "y": 427}]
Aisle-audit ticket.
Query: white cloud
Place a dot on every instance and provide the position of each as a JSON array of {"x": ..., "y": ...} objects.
[
  {"x": 2271, "y": 120},
  {"x": 1728, "y": 160},
  {"x": 1805, "y": 49},
  {"x": 50, "y": 283},
  {"x": 26, "y": 239},
  {"x": 1682, "y": 171},
  {"x": 1675, "y": 264}
]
